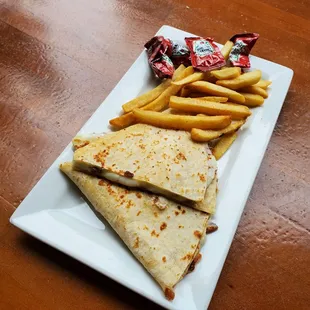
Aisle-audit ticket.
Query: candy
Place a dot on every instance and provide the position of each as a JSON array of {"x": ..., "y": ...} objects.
[
  {"x": 158, "y": 51},
  {"x": 243, "y": 43},
  {"x": 180, "y": 54}
]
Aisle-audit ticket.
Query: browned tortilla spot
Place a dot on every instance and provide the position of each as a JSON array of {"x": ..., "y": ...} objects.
[
  {"x": 202, "y": 177},
  {"x": 154, "y": 234},
  {"x": 101, "y": 182},
  {"x": 136, "y": 245},
  {"x": 81, "y": 145},
  {"x": 169, "y": 294},
  {"x": 181, "y": 156},
  {"x": 139, "y": 195},
  {"x": 197, "y": 234},
  {"x": 163, "y": 226},
  {"x": 188, "y": 256}
]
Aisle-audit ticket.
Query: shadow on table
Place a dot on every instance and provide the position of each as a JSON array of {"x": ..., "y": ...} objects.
[{"x": 87, "y": 275}]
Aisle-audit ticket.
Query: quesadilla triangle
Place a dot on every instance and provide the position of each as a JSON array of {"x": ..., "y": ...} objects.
[
  {"x": 166, "y": 241},
  {"x": 166, "y": 162},
  {"x": 208, "y": 204}
]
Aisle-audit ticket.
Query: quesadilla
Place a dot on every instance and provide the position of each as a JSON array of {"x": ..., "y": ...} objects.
[
  {"x": 166, "y": 162},
  {"x": 165, "y": 240},
  {"x": 83, "y": 140},
  {"x": 208, "y": 204}
]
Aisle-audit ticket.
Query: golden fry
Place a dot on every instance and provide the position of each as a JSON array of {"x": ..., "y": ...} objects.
[
  {"x": 178, "y": 71},
  {"x": 210, "y": 98},
  {"x": 123, "y": 120},
  {"x": 255, "y": 90},
  {"x": 196, "y": 76},
  {"x": 223, "y": 145},
  {"x": 147, "y": 97},
  {"x": 226, "y": 49},
  {"x": 227, "y": 73},
  {"x": 177, "y": 112},
  {"x": 246, "y": 79},
  {"x": 263, "y": 84},
  {"x": 183, "y": 122},
  {"x": 213, "y": 98},
  {"x": 198, "y": 105},
  {"x": 216, "y": 90},
  {"x": 207, "y": 135},
  {"x": 161, "y": 103},
  {"x": 252, "y": 100},
  {"x": 185, "y": 92}
]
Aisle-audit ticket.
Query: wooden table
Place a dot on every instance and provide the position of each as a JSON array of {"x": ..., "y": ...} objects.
[{"x": 59, "y": 60}]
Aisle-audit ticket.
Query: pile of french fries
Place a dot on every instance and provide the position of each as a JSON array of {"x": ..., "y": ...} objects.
[{"x": 211, "y": 105}]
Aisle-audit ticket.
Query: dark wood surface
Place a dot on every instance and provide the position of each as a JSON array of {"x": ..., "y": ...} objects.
[{"x": 59, "y": 60}]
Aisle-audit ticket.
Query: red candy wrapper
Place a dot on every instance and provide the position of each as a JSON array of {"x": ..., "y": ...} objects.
[
  {"x": 180, "y": 54},
  {"x": 243, "y": 43},
  {"x": 205, "y": 55},
  {"x": 159, "y": 50}
]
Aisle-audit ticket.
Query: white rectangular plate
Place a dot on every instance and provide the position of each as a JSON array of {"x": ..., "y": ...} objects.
[{"x": 55, "y": 212}]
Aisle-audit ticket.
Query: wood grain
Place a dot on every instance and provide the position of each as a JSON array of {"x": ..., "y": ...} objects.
[{"x": 58, "y": 61}]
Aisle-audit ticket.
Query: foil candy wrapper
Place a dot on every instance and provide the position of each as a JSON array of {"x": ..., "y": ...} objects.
[
  {"x": 239, "y": 54},
  {"x": 205, "y": 55},
  {"x": 180, "y": 54},
  {"x": 159, "y": 51}
]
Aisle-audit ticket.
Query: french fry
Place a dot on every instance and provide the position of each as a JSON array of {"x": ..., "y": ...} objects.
[
  {"x": 210, "y": 98},
  {"x": 213, "y": 98},
  {"x": 185, "y": 92},
  {"x": 198, "y": 105},
  {"x": 176, "y": 112},
  {"x": 223, "y": 145},
  {"x": 128, "y": 119},
  {"x": 226, "y": 49},
  {"x": 216, "y": 90},
  {"x": 199, "y": 135},
  {"x": 246, "y": 79},
  {"x": 263, "y": 84},
  {"x": 227, "y": 73},
  {"x": 123, "y": 120},
  {"x": 255, "y": 90},
  {"x": 183, "y": 122},
  {"x": 146, "y": 98},
  {"x": 196, "y": 76},
  {"x": 178, "y": 71},
  {"x": 161, "y": 103},
  {"x": 252, "y": 100}
]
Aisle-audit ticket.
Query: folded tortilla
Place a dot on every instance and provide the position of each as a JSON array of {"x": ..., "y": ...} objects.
[
  {"x": 166, "y": 241},
  {"x": 166, "y": 162},
  {"x": 208, "y": 204}
]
